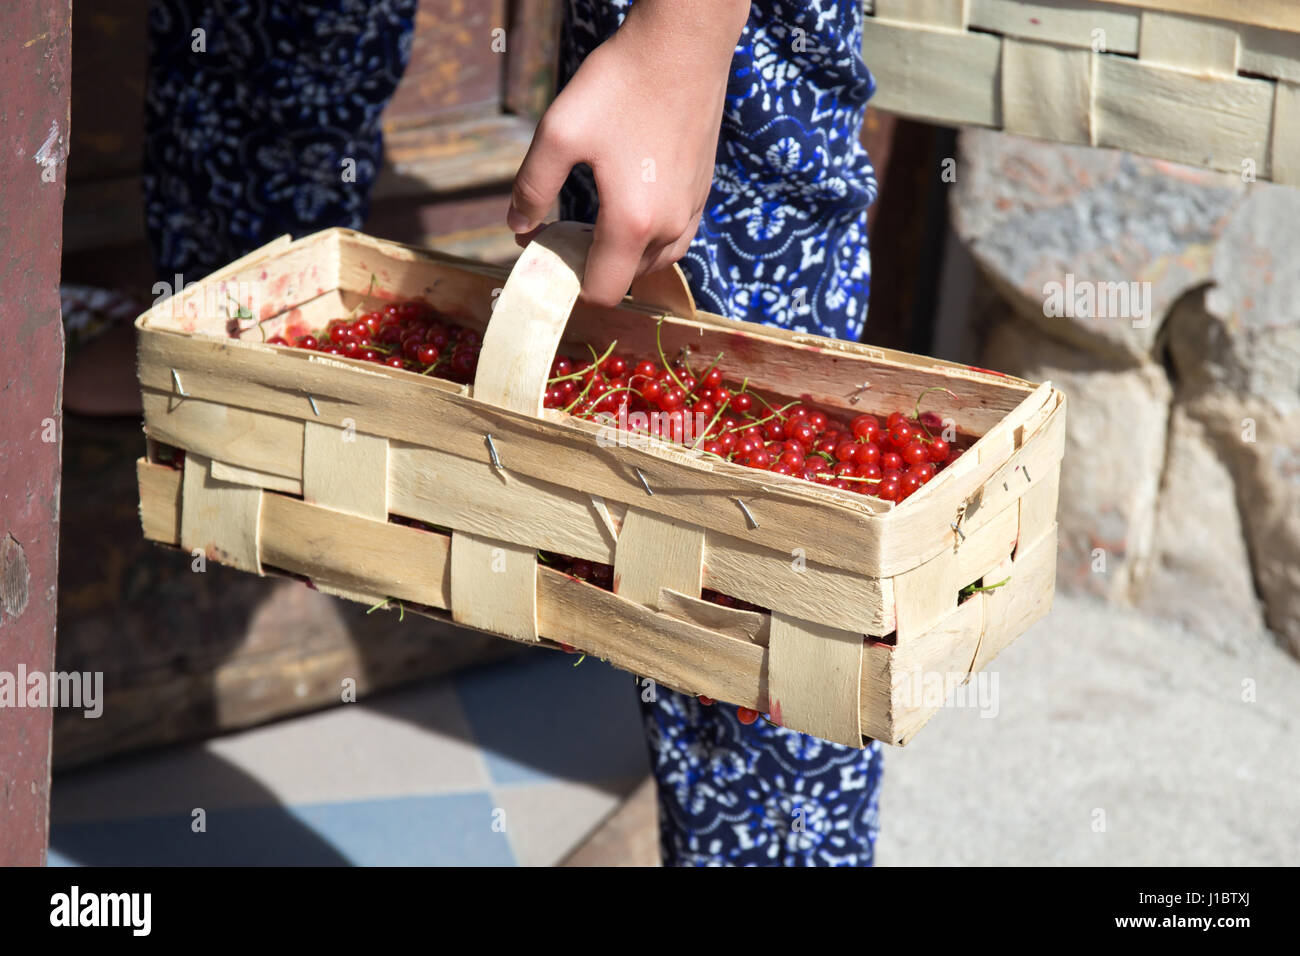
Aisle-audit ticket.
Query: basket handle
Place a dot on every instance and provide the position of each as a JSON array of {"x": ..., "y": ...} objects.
[{"x": 532, "y": 310}]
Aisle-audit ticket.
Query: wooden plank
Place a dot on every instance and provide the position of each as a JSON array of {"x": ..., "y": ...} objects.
[
  {"x": 877, "y": 692},
  {"x": 1073, "y": 23},
  {"x": 304, "y": 269},
  {"x": 227, "y": 433},
  {"x": 356, "y": 553},
  {"x": 655, "y": 552},
  {"x": 904, "y": 59},
  {"x": 814, "y": 676},
  {"x": 1276, "y": 14},
  {"x": 1210, "y": 121},
  {"x": 531, "y": 64},
  {"x": 345, "y": 469},
  {"x": 1189, "y": 43},
  {"x": 1285, "y": 148},
  {"x": 787, "y": 581},
  {"x": 944, "y": 14},
  {"x": 481, "y": 150},
  {"x": 257, "y": 479},
  {"x": 1027, "y": 597},
  {"x": 218, "y": 518},
  {"x": 1047, "y": 91},
  {"x": 529, "y": 319},
  {"x": 1270, "y": 53},
  {"x": 160, "y": 501},
  {"x": 446, "y": 490},
  {"x": 454, "y": 65},
  {"x": 665, "y": 290},
  {"x": 494, "y": 586},
  {"x": 677, "y": 654},
  {"x": 750, "y": 626},
  {"x": 1038, "y": 510},
  {"x": 942, "y": 655},
  {"x": 927, "y": 594}
]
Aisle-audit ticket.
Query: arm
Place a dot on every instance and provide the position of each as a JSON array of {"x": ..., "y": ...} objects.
[{"x": 643, "y": 111}]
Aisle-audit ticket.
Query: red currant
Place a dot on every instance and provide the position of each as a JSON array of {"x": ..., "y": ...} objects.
[
  {"x": 915, "y": 452},
  {"x": 866, "y": 453}
]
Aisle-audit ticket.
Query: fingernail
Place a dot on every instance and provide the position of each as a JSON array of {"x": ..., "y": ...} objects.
[{"x": 517, "y": 221}]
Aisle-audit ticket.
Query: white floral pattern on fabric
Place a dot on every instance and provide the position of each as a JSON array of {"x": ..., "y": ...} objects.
[
  {"x": 791, "y": 180},
  {"x": 246, "y": 140},
  {"x": 732, "y": 794}
]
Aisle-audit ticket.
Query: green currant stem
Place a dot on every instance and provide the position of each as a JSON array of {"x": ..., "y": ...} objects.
[
  {"x": 709, "y": 427},
  {"x": 581, "y": 372},
  {"x": 776, "y": 413},
  {"x": 659, "y": 344},
  {"x": 581, "y": 395},
  {"x": 917, "y": 411},
  {"x": 615, "y": 391},
  {"x": 972, "y": 588},
  {"x": 765, "y": 402},
  {"x": 710, "y": 368}
]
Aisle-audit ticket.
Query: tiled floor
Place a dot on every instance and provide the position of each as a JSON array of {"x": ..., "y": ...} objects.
[{"x": 509, "y": 764}]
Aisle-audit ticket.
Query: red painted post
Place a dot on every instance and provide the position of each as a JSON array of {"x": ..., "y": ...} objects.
[{"x": 35, "y": 45}]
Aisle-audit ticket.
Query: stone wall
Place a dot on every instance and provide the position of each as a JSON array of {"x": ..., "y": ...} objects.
[{"x": 1181, "y": 357}]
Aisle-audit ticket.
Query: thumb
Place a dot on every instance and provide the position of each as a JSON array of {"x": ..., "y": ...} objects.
[{"x": 540, "y": 178}]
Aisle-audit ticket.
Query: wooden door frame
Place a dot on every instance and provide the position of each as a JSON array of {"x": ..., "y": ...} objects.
[{"x": 35, "y": 46}]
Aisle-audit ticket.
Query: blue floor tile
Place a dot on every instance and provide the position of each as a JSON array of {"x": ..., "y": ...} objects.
[
  {"x": 447, "y": 830},
  {"x": 540, "y": 718}
]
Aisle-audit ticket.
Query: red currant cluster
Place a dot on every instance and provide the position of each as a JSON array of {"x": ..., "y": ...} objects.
[
  {"x": 667, "y": 399},
  {"x": 889, "y": 461},
  {"x": 406, "y": 335}
]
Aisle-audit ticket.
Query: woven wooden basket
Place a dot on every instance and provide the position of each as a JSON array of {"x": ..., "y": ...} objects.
[
  {"x": 295, "y": 462},
  {"x": 1211, "y": 83}
]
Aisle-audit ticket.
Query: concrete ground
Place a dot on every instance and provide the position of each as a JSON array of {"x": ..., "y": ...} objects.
[{"x": 1117, "y": 740}]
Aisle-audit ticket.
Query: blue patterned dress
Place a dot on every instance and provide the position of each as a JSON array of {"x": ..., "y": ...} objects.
[
  {"x": 262, "y": 118},
  {"x": 783, "y": 240},
  {"x": 247, "y": 140}
]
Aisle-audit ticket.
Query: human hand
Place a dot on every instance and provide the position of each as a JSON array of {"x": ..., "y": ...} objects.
[{"x": 643, "y": 111}]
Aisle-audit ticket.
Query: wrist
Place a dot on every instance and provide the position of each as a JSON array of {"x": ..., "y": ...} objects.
[{"x": 689, "y": 34}]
